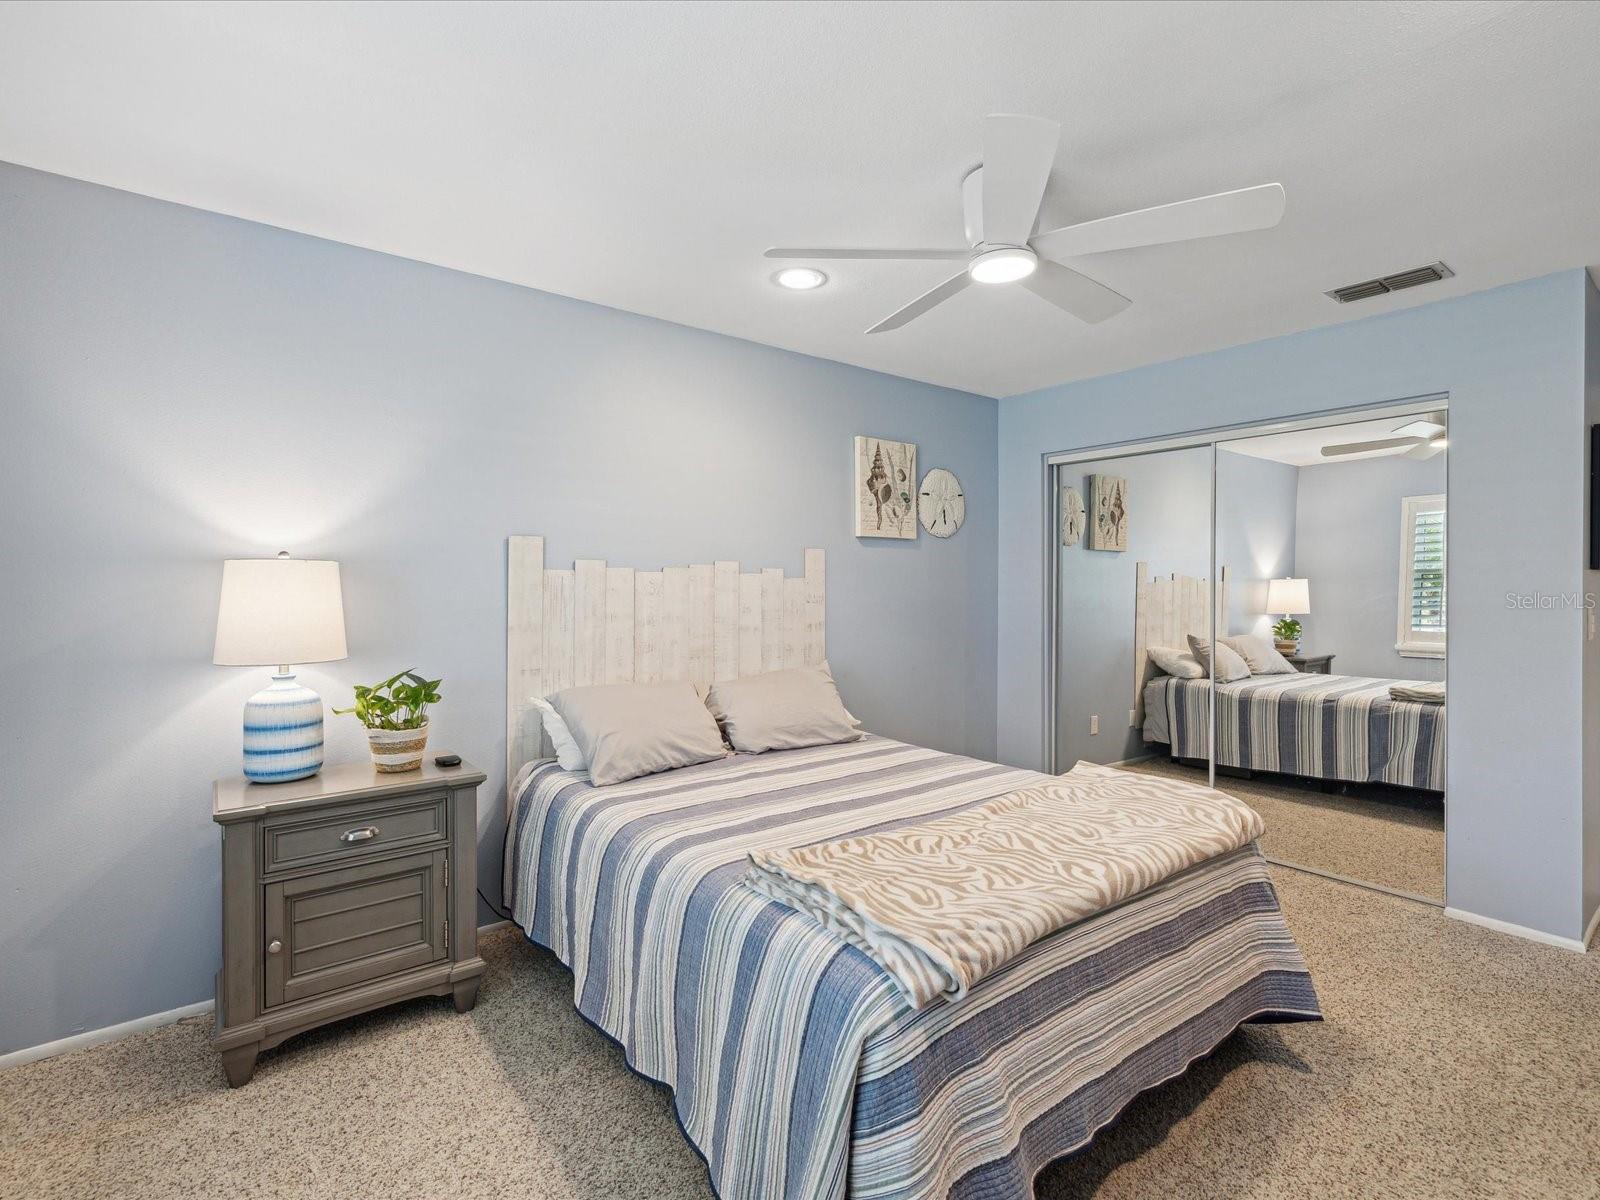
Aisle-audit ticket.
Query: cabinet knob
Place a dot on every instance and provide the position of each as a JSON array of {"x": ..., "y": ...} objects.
[{"x": 274, "y": 946}]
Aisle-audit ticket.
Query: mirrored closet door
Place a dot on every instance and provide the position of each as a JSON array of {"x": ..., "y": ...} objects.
[
  {"x": 1328, "y": 547},
  {"x": 1133, "y": 565}
]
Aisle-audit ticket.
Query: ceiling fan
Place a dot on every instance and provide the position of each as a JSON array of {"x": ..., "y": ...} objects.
[
  {"x": 1000, "y": 201},
  {"x": 1421, "y": 438}
]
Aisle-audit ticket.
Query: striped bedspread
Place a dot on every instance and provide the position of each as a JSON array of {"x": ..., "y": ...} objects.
[
  {"x": 1322, "y": 726},
  {"x": 798, "y": 1069}
]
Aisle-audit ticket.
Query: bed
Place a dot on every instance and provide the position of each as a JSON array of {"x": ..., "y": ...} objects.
[
  {"x": 1327, "y": 727},
  {"x": 1335, "y": 727},
  {"x": 797, "y": 1069}
]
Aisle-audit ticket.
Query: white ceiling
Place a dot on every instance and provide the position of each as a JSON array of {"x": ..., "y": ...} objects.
[
  {"x": 1303, "y": 447},
  {"x": 643, "y": 155}
]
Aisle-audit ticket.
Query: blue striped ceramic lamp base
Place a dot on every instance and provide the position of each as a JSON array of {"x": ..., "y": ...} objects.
[{"x": 282, "y": 732}]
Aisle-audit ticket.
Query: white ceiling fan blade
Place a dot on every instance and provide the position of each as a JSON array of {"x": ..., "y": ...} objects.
[
  {"x": 1208, "y": 216},
  {"x": 1018, "y": 153},
  {"x": 895, "y": 255},
  {"x": 1075, "y": 293},
  {"x": 1394, "y": 443},
  {"x": 929, "y": 299},
  {"x": 1434, "y": 445}
]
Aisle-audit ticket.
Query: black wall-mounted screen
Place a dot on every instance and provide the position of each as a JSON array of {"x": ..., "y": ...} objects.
[{"x": 1594, "y": 497}]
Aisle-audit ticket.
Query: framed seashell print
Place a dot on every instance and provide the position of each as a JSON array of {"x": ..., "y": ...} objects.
[
  {"x": 886, "y": 488},
  {"x": 1108, "y": 512}
]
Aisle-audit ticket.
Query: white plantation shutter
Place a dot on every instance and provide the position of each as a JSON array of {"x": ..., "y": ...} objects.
[{"x": 1422, "y": 576}]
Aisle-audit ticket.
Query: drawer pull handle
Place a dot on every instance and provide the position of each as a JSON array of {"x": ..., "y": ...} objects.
[
  {"x": 274, "y": 946},
  {"x": 365, "y": 834}
]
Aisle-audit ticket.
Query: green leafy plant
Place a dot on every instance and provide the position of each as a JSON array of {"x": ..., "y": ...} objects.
[
  {"x": 399, "y": 702},
  {"x": 1287, "y": 630}
]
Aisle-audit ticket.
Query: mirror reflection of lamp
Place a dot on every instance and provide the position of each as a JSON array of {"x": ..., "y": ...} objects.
[{"x": 1291, "y": 597}]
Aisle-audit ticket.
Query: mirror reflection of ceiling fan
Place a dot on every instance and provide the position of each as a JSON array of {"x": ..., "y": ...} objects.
[
  {"x": 1420, "y": 438},
  {"x": 1000, "y": 201}
]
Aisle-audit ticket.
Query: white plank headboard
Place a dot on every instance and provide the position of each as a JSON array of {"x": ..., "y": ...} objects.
[
  {"x": 596, "y": 623},
  {"x": 1165, "y": 612}
]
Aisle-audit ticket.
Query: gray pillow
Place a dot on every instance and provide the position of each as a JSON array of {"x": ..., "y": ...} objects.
[
  {"x": 781, "y": 710},
  {"x": 1260, "y": 655},
  {"x": 1229, "y": 665},
  {"x": 625, "y": 730}
]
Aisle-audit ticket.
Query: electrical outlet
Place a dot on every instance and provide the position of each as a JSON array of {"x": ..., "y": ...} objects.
[
  {"x": 1133, "y": 720},
  {"x": 1094, "y": 724}
]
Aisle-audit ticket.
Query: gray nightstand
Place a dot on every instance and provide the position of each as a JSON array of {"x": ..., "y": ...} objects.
[
  {"x": 1312, "y": 664},
  {"x": 342, "y": 893}
]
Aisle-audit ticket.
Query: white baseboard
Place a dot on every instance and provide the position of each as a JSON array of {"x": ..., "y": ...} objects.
[
  {"x": 1521, "y": 931},
  {"x": 111, "y": 1033},
  {"x": 1588, "y": 933}
]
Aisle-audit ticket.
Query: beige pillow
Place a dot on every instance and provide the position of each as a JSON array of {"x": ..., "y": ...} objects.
[
  {"x": 1180, "y": 664},
  {"x": 1229, "y": 665},
  {"x": 781, "y": 710},
  {"x": 1259, "y": 654},
  {"x": 625, "y": 730}
]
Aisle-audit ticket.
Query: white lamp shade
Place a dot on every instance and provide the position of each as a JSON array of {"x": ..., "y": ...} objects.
[
  {"x": 279, "y": 611},
  {"x": 1288, "y": 596}
]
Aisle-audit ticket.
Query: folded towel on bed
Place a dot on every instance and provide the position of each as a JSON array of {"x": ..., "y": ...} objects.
[
  {"x": 942, "y": 904},
  {"x": 1422, "y": 693}
]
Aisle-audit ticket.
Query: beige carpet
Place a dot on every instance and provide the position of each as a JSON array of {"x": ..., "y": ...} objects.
[
  {"x": 1393, "y": 837},
  {"x": 1455, "y": 1062}
]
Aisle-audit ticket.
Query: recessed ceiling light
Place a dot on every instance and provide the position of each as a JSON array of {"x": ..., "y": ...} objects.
[
  {"x": 1004, "y": 265},
  {"x": 800, "y": 279}
]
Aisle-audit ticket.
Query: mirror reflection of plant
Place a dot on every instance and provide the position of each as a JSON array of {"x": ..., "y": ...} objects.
[
  {"x": 399, "y": 702},
  {"x": 1288, "y": 630}
]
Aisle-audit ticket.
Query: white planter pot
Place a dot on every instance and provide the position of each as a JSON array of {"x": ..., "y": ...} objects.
[{"x": 395, "y": 750}]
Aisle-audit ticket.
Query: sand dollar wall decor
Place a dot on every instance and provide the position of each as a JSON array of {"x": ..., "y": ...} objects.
[
  {"x": 1071, "y": 516},
  {"x": 941, "y": 504},
  {"x": 1108, "y": 508}
]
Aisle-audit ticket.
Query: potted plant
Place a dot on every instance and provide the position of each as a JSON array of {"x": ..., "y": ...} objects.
[
  {"x": 395, "y": 713},
  {"x": 1287, "y": 633}
]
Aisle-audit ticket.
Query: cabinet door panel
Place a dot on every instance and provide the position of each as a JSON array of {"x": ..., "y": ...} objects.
[{"x": 339, "y": 928}]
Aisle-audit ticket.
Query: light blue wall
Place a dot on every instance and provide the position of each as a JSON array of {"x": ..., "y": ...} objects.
[
  {"x": 1348, "y": 547},
  {"x": 179, "y": 387},
  {"x": 1169, "y": 527},
  {"x": 1256, "y": 534},
  {"x": 1512, "y": 361}
]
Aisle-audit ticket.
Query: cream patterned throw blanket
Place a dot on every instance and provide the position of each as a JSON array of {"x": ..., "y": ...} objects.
[{"x": 942, "y": 904}]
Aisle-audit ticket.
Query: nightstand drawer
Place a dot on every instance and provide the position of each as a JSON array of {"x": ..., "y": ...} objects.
[
  {"x": 352, "y": 833},
  {"x": 340, "y": 927}
]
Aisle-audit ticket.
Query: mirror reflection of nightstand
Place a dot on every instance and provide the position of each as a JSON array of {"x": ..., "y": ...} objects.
[{"x": 1311, "y": 664}]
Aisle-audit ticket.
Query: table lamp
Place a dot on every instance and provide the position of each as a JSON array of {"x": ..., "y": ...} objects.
[
  {"x": 276, "y": 612},
  {"x": 1289, "y": 597}
]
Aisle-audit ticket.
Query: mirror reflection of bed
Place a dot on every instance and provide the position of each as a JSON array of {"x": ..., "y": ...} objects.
[{"x": 1330, "y": 612}]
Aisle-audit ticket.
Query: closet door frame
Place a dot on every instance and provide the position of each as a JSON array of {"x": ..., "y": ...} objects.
[{"x": 1050, "y": 473}]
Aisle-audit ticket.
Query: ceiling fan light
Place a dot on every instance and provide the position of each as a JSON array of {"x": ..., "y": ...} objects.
[
  {"x": 1004, "y": 265},
  {"x": 800, "y": 279}
]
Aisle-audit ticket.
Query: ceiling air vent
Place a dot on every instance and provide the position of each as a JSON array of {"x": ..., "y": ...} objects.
[{"x": 1368, "y": 288}]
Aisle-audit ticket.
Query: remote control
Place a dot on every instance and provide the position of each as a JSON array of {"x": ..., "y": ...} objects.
[{"x": 447, "y": 760}]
